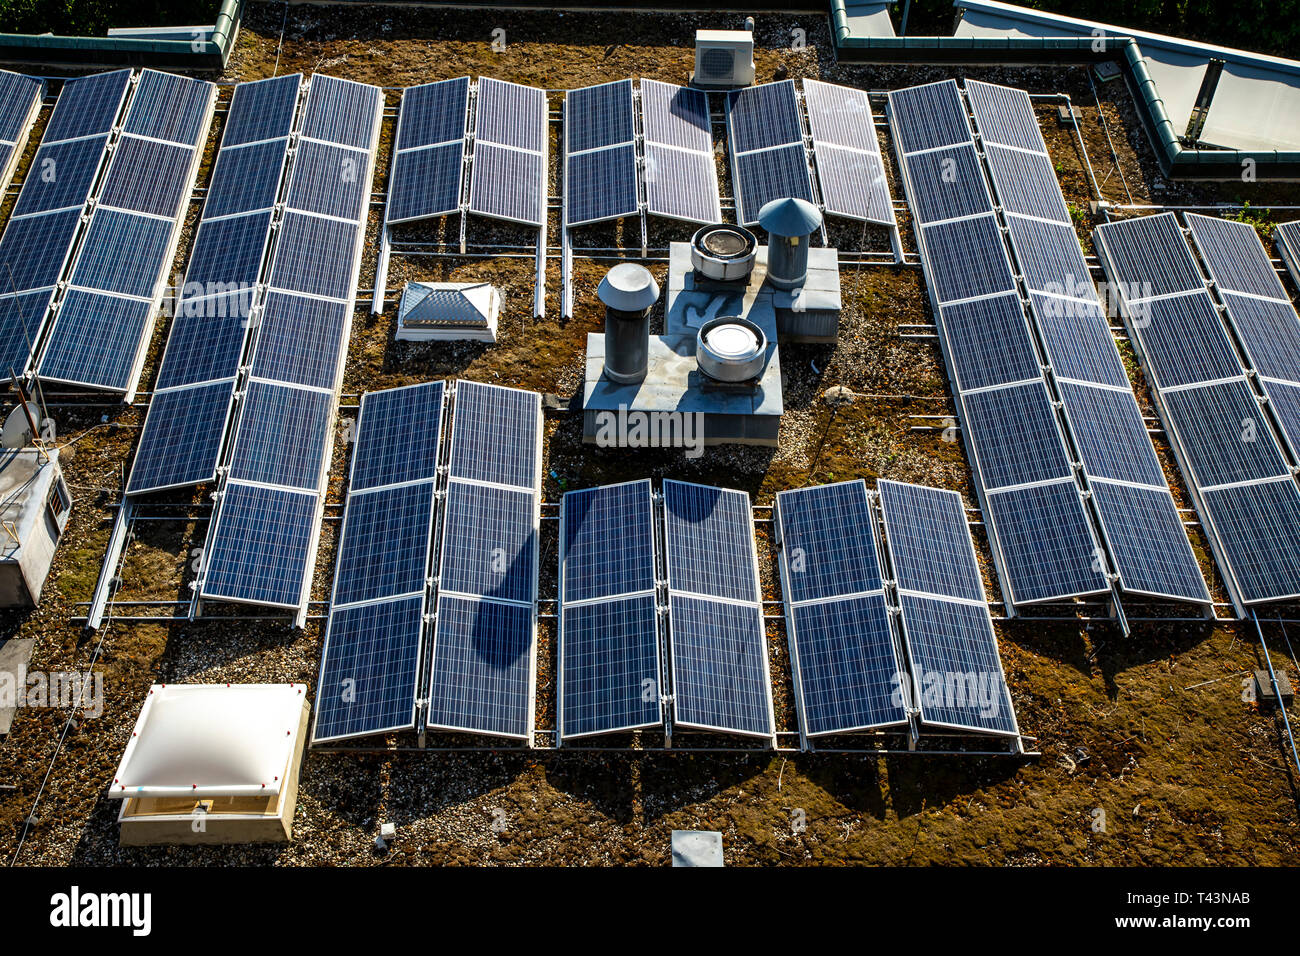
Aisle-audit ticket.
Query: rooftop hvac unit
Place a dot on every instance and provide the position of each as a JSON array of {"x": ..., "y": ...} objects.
[{"x": 724, "y": 59}]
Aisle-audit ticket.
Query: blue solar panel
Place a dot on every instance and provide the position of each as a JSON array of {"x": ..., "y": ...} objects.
[
  {"x": 169, "y": 107},
  {"x": 426, "y": 182},
  {"x": 1146, "y": 536},
  {"x": 947, "y": 184},
  {"x": 608, "y": 545},
  {"x": 433, "y": 113},
  {"x": 489, "y": 542},
  {"x": 676, "y": 116},
  {"x": 62, "y": 175},
  {"x": 1287, "y": 236},
  {"x": 299, "y": 340},
  {"x": 245, "y": 179},
  {"x": 720, "y": 676},
  {"x": 1270, "y": 333},
  {"x": 709, "y": 541},
  {"x": 341, "y": 111},
  {"x": 1014, "y": 431},
  {"x": 1110, "y": 434},
  {"x": 315, "y": 256},
  {"x": 926, "y": 117},
  {"x": 510, "y": 183},
  {"x": 1259, "y": 527},
  {"x": 760, "y": 117},
  {"x": 601, "y": 185},
  {"x": 260, "y": 110},
  {"x": 95, "y": 340},
  {"x": 146, "y": 176},
  {"x": 770, "y": 174},
  {"x": 330, "y": 180},
  {"x": 282, "y": 436},
  {"x": 496, "y": 435},
  {"x": 1223, "y": 433},
  {"x": 1004, "y": 116},
  {"x": 826, "y": 541},
  {"x": 680, "y": 176},
  {"x": 87, "y": 105},
  {"x": 261, "y": 546},
  {"x": 19, "y": 94},
  {"x": 1050, "y": 257},
  {"x": 227, "y": 260},
  {"x": 369, "y": 670},
  {"x": 398, "y": 436},
  {"x": 1235, "y": 257},
  {"x": 384, "y": 550},
  {"x": 511, "y": 115},
  {"x": 989, "y": 342},
  {"x": 853, "y": 184},
  {"x": 1151, "y": 252},
  {"x": 1026, "y": 183},
  {"x": 599, "y": 116},
  {"x": 849, "y": 677},
  {"x": 609, "y": 667},
  {"x": 929, "y": 542},
  {"x": 123, "y": 253},
  {"x": 1078, "y": 340},
  {"x": 967, "y": 259},
  {"x": 481, "y": 677},
  {"x": 34, "y": 250},
  {"x": 1046, "y": 545},
  {"x": 20, "y": 318},
  {"x": 181, "y": 439},
  {"x": 767, "y": 148}
]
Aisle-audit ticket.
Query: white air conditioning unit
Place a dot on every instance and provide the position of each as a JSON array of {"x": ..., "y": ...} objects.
[{"x": 724, "y": 59}]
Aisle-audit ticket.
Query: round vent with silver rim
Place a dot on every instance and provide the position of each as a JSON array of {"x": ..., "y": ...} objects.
[
  {"x": 731, "y": 349},
  {"x": 723, "y": 252}
]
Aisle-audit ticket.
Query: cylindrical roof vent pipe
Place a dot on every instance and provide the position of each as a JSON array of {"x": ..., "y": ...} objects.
[
  {"x": 629, "y": 292},
  {"x": 789, "y": 224}
]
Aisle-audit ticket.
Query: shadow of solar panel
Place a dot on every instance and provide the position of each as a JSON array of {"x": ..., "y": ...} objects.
[
  {"x": 1015, "y": 435},
  {"x": 720, "y": 679},
  {"x": 340, "y": 111},
  {"x": 482, "y": 668},
  {"x": 827, "y": 541},
  {"x": 426, "y": 182},
  {"x": 511, "y": 115},
  {"x": 1050, "y": 257},
  {"x": 87, "y": 105},
  {"x": 281, "y": 436},
  {"x": 398, "y": 435},
  {"x": 245, "y": 179},
  {"x": 967, "y": 259},
  {"x": 300, "y": 340},
  {"x": 676, "y": 116},
  {"x": 763, "y": 116},
  {"x": 260, "y": 551},
  {"x": 1005, "y": 115},
  {"x": 169, "y": 107},
  {"x": 1046, "y": 546},
  {"x": 1026, "y": 183},
  {"x": 181, "y": 439},
  {"x": 598, "y": 116},
  {"x": 1147, "y": 538},
  {"x": 1224, "y": 434},
  {"x": 608, "y": 544},
  {"x": 147, "y": 177},
  {"x": 771, "y": 174},
  {"x": 709, "y": 540},
  {"x": 330, "y": 180},
  {"x": 263, "y": 109},
  {"x": 95, "y": 340},
  {"x": 929, "y": 541},
  {"x": 489, "y": 545},
  {"x": 369, "y": 671},
  {"x": 1077, "y": 337},
  {"x": 853, "y": 184},
  {"x": 989, "y": 342},
  {"x": 956, "y": 666},
  {"x": 315, "y": 256},
  {"x": 1110, "y": 434},
  {"x": 34, "y": 250},
  {"x": 1235, "y": 256},
  {"x": 507, "y": 184},
  {"x": 601, "y": 185},
  {"x": 62, "y": 175},
  {"x": 495, "y": 435},
  {"x": 20, "y": 318},
  {"x": 385, "y": 544},
  {"x": 1258, "y": 528},
  {"x": 681, "y": 184},
  {"x": 434, "y": 113},
  {"x": 610, "y": 667},
  {"x": 925, "y": 117},
  {"x": 123, "y": 253}
]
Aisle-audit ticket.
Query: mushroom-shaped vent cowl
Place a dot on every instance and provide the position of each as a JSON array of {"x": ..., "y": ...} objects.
[
  {"x": 790, "y": 217},
  {"x": 628, "y": 287}
]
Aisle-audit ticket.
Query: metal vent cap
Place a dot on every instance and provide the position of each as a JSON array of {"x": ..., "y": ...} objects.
[
  {"x": 723, "y": 252},
  {"x": 731, "y": 349}
]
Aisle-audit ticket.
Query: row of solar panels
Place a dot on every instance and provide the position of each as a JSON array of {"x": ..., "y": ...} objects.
[
  {"x": 474, "y": 538},
  {"x": 96, "y": 224},
  {"x": 605, "y": 174},
  {"x": 1075, "y": 503}
]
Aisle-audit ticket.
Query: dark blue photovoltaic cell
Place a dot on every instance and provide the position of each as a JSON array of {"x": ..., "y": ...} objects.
[
  {"x": 1235, "y": 256},
  {"x": 597, "y": 116},
  {"x": 763, "y": 116},
  {"x": 510, "y": 115},
  {"x": 989, "y": 342},
  {"x": 1259, "y": 527},
  {"x": 1005, "y": 115},
  {"x": 489, "y": 542},
  {"x": 1078, "y": 341},
  {"x": 62, "y": 175},
  {"x": 426, "y": 182},
  {"x": 330, "y": 180},
  {"x": 1153, "y": 248},
  {"x": 181, "y": 439},
  {"x": 314, "y": 256},
  {"x": 398, "y": 436},
  {"x": 610, "y": 666},
  {"x": 20, "y": 317},
  {"x": 202, "y": 347},
  {"x": 1045, "y": 542},
  {"x": 17, "y": 95},
  {"x": 87, "y": 105},
  {"x": 1050, "y": 257},
  {"x": 508, "y": 184},
  {"x": 827, "y": 542},
  {"x": 1110, "y": 434},
  {"x": 1014, "y": 431},
  {"x": 340, "y": 111},
  {"x": 768, "y": 175},
  {"x": 169, "y": 107},
  {"x": 848, "y": 674},
  {"x": 33, "y": 251},
  {"x": 1285, "y": 402},
  {"x": 680, "y": 184},
  {"x": 95, "y": 339},
  {"x": 227, "y": 258},
  {"x": 482, "y": 663},
  {"x": 122, "y": 253},
  {"x": 1146, "y": 536},
  {"x": 299, "y": 340},
  {"x": 967, "y": 259},
  {"x": 601, "y": 185},
  {"x": 385, "y": 546},
  {"x": 148, "y": 177},
  {"x": 370, "y": 669},
  {"x": 720, "y": 678},
  {"x": 245, "y": 179},
  {"x": 434, "y": 113},
  {"x": 261, "y": 110},
  {"x": 709, "y": 541},
  {"x": 1185, "y": 341},
  {"x": 1026, "y": 183},
  {"x": 955, "y": 663},
  {"x": 495, "y": 435},
  {"x": 262, "y": 547},
  {"x": 1223, "y": 433},
  {"x": 923, "y": 117},
  {"x": 947, "y": 184},
  {"x": 929, "y": 541},
  {"x": 282, "y": 435},
  {"x": 1270, "y": 333},
  {"x": 608, "y": 541}
]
